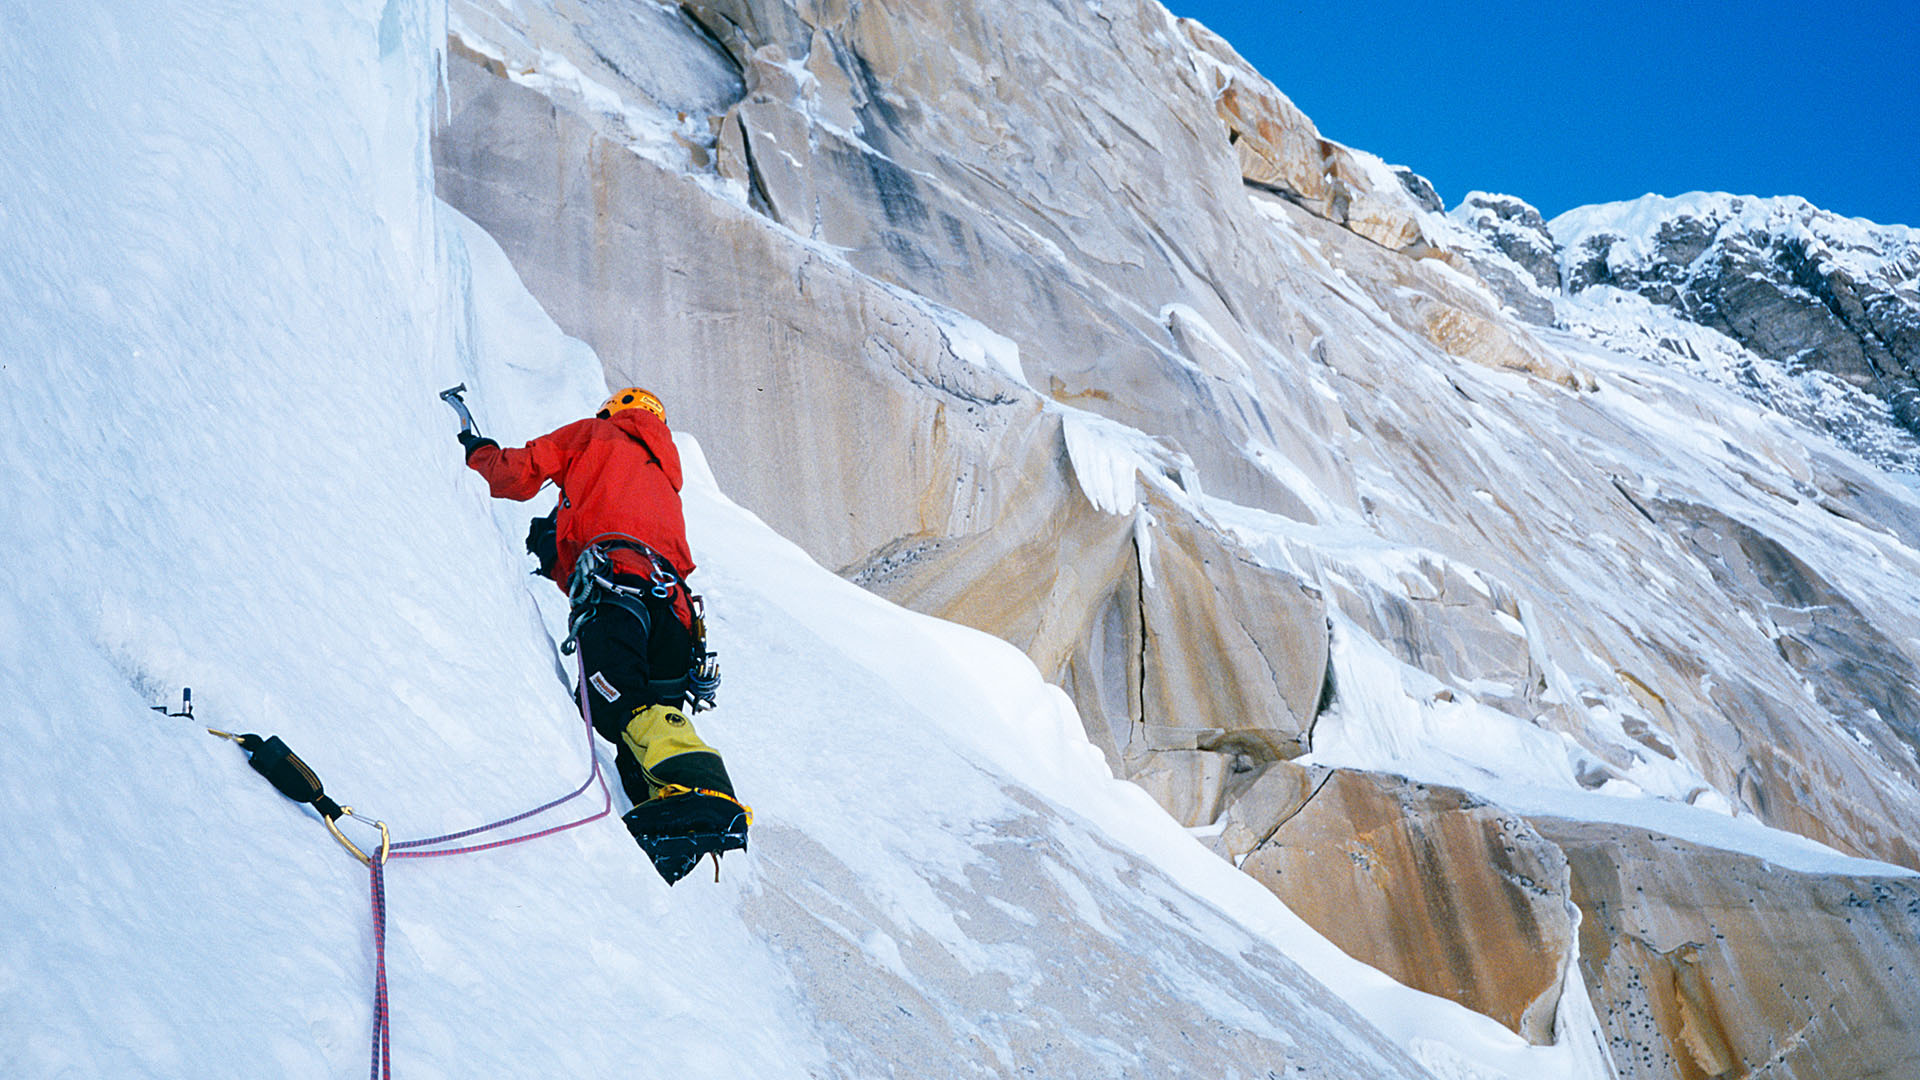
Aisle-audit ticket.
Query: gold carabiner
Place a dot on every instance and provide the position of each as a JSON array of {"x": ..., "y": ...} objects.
[
  {"x": 386, "y": 839},
  {"x": 344, "y": 842}
]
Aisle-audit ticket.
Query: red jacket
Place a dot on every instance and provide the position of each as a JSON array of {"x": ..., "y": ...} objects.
[{"x": 619, "y": 476}]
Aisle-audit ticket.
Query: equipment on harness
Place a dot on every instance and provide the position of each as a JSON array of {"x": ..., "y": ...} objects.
[
  {"x": 703, "y": 676},
  {"x": 590, "y": 586}
]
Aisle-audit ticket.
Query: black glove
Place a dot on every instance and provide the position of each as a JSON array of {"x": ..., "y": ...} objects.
[
  {"x": 472, "y": 441},
  {"x": 543, "y": 543}
]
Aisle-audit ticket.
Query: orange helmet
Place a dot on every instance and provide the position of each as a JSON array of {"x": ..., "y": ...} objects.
[{"x": 632, "y": 398}]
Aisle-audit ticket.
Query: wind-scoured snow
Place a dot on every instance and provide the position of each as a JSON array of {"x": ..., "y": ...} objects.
[
  {"x": 973, "y": 341},
  {"x": 1630, "y": 324},
  {"x": 1108, "y": 457}
]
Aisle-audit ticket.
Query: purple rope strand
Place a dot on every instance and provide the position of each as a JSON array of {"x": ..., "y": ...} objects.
[
  {"x": 382, "y": 1067},
  {"x": 502, "y": 823},
  {"x": 594, "y": 774}
]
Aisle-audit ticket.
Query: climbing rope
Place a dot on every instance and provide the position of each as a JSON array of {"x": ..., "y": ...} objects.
[
  {"x": 272, "y": 759},
  {"x": 428, "y": 848},
  {"x": 382, "y": 1017}
]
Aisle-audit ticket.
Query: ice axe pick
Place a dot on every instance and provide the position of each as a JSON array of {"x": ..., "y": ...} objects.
[{"x": 453, "y": 399}]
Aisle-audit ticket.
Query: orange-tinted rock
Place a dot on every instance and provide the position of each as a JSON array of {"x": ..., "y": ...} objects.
[
  {"x": 1705, "y": 964},
  {"x": 1444, "y": 892}
]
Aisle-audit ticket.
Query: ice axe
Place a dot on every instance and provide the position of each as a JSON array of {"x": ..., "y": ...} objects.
[{"x": 452, "y": 398}]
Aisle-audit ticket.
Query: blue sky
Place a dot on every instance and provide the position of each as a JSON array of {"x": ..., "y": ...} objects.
[{"x": 1565, "y": 105}]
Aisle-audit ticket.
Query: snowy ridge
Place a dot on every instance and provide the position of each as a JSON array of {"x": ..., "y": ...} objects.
[
  {"x": 1636, "y": 230},
  {"x": 1804, "y": 311},
  {"x": 1722, "y": 287},
  {"x": 1632, "y": 325}
]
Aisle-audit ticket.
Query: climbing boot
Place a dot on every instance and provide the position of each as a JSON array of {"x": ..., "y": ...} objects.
[
  {"x": 670, "y": 752},
  {"x": 692, "y": 811}
]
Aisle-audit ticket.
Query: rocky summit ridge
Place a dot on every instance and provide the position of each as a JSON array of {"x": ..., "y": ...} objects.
[
  {"x": 1487, "y": 587},
  {"x": 1808, "y": 313}
]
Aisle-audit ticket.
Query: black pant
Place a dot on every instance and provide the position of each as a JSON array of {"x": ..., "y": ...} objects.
[{"x": 631, "y": 663}]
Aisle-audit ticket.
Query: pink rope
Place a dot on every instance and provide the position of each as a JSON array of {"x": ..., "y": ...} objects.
[
  {"x": 382, "y": 1032},
  {"x": 402, "y": 849},
  {"x": 382, "y": 1068}
]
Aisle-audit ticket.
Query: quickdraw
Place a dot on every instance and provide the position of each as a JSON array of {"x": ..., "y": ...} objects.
[{"x": 292, "y": 777}]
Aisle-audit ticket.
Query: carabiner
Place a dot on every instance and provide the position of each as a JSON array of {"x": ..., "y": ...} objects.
[{"x": 386, "y": 838}]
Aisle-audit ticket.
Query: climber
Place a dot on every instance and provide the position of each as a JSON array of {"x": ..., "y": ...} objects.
[{"x": 617, "y": 544}]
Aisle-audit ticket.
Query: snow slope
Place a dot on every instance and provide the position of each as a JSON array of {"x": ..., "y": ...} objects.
[{"x": 232, "y": 299}]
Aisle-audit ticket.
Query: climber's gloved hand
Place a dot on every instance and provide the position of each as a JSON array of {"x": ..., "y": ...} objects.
[{"x": 471, "y": 442}]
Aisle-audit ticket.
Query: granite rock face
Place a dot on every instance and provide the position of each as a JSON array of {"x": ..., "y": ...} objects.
[
  {"x": 956, "y": 475},
  {"x": 1072, "y": 328},
  {"x": 595, "y": 233},
  {"x": 1701, "y": 962},
  {"x": 1441, "y": 890},
  {"x": 1279, "y": 149},
  {"x": 1706, "y": 964}
]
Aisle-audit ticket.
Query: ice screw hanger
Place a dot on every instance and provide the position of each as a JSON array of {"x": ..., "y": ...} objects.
[{"x": 186, "y": 705}]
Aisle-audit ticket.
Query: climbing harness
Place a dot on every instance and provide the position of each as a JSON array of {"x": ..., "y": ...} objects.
[
  {"x": 292, "y": 777},
  {"x": 590, "y": 585}
]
